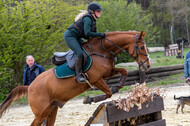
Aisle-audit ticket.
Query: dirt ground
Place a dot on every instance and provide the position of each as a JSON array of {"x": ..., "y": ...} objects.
[{"x": 75, "y": 113}]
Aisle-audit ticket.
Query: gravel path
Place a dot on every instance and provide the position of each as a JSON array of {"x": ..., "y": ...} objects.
[{"x": 74, "y": 113}]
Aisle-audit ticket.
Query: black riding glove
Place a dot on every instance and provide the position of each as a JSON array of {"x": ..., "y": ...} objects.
[
  {"x": 81, "y": 40},
  {"x": 102, "y": 35}
]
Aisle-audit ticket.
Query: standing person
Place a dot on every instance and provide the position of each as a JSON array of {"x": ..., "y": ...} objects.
[
  {"x": 84, "y": 27},
  {"x": 31, "y": 70},
  {"x": 187, "y": 67}
]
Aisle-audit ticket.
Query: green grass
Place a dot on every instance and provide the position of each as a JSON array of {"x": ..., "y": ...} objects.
[
  {"x": 129, "y": 67},
  {"x": 160, "y": 60}
]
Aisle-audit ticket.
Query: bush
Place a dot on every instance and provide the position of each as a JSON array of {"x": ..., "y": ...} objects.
[
  {"x": 123, "y": 58},
  {"x": 6, "y": 82}
]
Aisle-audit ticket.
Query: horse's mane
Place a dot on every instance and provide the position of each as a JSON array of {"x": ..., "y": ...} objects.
[
  {"x": 121, "y": 32},
  {"x": 114, "y": 33}
]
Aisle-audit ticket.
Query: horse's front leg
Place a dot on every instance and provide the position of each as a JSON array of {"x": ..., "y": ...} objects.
[
  {"x": 100, "y": 84},
  {"x": 122, "y": 79}
]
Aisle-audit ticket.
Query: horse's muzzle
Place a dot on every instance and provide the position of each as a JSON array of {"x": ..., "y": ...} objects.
[{"x": 145, "y": 67}]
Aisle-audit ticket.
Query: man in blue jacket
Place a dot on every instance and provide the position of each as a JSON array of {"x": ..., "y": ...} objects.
[
  {"x": 31, "y": 70},
  {"x": 187, "y": 66}
]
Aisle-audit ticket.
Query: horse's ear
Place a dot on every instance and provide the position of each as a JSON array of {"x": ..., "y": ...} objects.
[
  {"x": 140, "y": 36},
  {"x": 144, "y": 34}
]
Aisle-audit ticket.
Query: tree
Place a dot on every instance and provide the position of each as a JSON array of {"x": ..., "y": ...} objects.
[
  {"x": 121, "y": 16},
  {"x": 170, "y": 14},
  {"x": 31, "y": 28}
]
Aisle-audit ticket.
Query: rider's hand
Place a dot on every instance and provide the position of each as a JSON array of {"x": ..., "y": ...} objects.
[
  {"x": 187, "y": 80},
  {"x": 102, "y": 35}
]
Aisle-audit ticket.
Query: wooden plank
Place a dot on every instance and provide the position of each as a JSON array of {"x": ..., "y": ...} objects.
[
  {"x": 164, "y": 73},
  {"x": 132, "y": 73},
  {"x": 116, "y": 80},
  {"x": 115, "y": 114},
  {"x": 155, "y": 49},
  {"x": 173, "y": 46},
  {"x": 161, "y": 122},
  {"x": 165, "y": 68},
  {"x": 142, "y": 75},
  {"x": 91, "y": 119},
  {"x": 100, "y": 117},
  {"x": 158, "y": 115}
]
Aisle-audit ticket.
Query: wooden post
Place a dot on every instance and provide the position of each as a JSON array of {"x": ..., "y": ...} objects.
[
  {"x": 142, "y": 75},
  {"x": 182, "y": 43}
]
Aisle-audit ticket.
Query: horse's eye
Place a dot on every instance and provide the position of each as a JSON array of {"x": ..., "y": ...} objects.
[{"x": 142, "y": 47}]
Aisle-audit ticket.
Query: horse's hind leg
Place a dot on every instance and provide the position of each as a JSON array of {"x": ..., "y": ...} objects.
[
  {"x": 52, "y": 116},
  {"x": 40, "y": 119}
]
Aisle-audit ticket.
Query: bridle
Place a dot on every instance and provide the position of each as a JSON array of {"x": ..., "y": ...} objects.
[
  {"x": 138, "y": 52},
  {"x": 113, "y": 55}
]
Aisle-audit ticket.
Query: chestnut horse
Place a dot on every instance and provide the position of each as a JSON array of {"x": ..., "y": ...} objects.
[{"x": 46, "y": 93}]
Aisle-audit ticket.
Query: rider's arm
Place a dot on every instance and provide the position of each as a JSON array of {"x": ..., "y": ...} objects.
[{"x": 87, "y": 28}]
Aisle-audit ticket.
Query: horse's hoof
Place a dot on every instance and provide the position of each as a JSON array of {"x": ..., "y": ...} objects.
[
  {"x": 87, "y": 100},
  {"x": 114, "y": 89}
]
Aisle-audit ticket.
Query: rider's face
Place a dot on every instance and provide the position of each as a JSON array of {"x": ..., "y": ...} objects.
[{"x": 98, "y": 13}]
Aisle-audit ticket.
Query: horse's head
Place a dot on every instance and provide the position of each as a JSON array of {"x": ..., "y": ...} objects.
[
  {"x": 138, "y": 51},
  {"x": 118, "y": 41}
]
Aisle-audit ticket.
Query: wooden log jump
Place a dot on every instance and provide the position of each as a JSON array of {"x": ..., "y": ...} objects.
[
  {"x": 137, "y": 76},
  {"x": 107, "y": 114},
  {"x": 172, "y": 50}
]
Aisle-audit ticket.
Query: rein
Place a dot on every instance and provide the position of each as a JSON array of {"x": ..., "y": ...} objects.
[
  {"x": 98, "y": 54},
  {"x": 113, "y": 55}
]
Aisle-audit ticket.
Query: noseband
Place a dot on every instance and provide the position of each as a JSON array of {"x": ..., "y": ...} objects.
[{"x": 113, "y": 55}]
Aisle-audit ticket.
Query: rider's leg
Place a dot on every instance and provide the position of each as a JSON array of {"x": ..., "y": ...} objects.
[
  {"x": 74, "y": 44},
  {"x": 78, "y": 68}
]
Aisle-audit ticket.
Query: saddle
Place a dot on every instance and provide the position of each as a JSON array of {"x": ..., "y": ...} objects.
[{"x": 60, "y": 58}]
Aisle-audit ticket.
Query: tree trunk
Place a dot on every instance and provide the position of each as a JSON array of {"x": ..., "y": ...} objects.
[
  {"x": 18, "y": 76},
  {"x": 187, "y": 26},
  {"x": 171, "y": 33},
  {"x": 172, "y": 26}
]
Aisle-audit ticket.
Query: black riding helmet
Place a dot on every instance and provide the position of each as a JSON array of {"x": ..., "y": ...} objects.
[{"x": 94, "y": 7}]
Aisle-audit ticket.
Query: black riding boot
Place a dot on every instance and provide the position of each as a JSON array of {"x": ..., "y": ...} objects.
[{"x": 78, "y": 68}]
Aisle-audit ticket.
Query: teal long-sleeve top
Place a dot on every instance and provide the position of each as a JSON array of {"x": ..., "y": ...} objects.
[{"x": 87, "y": 29}]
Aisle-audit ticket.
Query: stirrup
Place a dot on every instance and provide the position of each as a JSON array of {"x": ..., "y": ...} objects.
[{"x": 82, "y": 77}]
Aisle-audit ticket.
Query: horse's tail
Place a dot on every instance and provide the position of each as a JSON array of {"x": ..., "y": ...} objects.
[{"x": 15, "y": 94}]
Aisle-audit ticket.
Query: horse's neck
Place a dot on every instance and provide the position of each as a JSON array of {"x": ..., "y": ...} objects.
[
  {"x": 123, "y": 41},
  {"x": 94, "y": 45}
]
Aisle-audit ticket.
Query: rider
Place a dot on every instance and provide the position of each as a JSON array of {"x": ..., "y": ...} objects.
[{"x": 84, "y": 27}]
